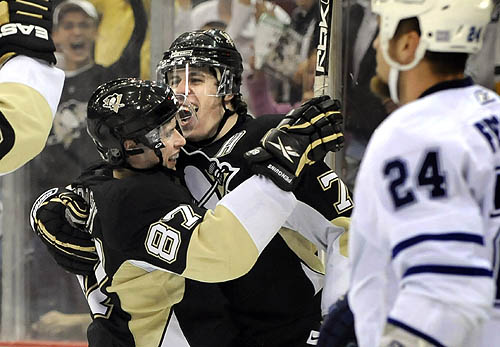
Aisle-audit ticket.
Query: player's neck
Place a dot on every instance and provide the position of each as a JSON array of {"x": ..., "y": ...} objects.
[
  {"x": 413, "y": 83},
  {"x": 231, "y": 121}
]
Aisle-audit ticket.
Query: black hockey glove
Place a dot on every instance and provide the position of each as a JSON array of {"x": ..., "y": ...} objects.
[
  {"x": 338, "y": 328},
  {"x": 303, "y": 137},
  {"x": 25, "y": 28},
  {"x": 58, "y": 218},
  {"x": 320, "y": 117}
]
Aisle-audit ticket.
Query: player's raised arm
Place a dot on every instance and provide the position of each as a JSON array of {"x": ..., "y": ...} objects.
[{"x": 30, "y": 87}]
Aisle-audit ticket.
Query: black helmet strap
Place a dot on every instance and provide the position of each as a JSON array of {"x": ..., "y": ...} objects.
[{"x": 227, "y": 113}]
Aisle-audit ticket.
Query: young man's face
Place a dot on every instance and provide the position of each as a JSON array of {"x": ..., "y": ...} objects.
[
  {"x": 200, "y": 89},
  {"x": 75, "y": 36},
  {"x": 172, "y": 141}
]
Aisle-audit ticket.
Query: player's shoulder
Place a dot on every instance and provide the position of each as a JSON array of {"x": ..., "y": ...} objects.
[
  {"x": 131, "y": 203},
  {"x": 263, "y": 123},
  {"x": 254, "y": 128},
  {"x": 445, "y": 118}
]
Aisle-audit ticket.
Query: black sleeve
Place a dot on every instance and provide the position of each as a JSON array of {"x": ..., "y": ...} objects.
[{"x": 322, "y": 189}]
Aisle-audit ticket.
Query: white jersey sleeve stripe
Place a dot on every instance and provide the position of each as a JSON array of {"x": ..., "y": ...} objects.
[
  {"x": 415, "y": 332},
  {"x": 449, "y": 270},
  {"x": 457, "y": 236}
]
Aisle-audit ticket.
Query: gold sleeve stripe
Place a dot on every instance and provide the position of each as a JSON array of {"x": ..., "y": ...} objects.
[
  {"x": 29, "y": 114},
  {"x": 220, "y": 248},
  {"x": 343, "y": 222},
  {"x": 51, "y": 238}
]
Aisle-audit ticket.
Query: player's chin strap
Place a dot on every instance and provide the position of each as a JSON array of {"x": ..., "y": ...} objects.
[
  {"x": 397, "y": 67},
  {"x": 393, "y": 84},
  {"x": 135, "y": 151},
  {"x": 227, "y": 113}
]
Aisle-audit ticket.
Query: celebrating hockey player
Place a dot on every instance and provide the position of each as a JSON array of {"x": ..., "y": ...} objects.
[
  {"x": 27, "y": 101},
  {"x": 148, "y": 233},
  {"x": 278, "y": 302},
  {"x": 424, "y": 234},
  {"x": 206, "y": 68}
]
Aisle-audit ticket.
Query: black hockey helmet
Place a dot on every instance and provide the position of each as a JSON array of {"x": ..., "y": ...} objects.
[
  {"x": 211, "y": 48},
  {"x": 128, "y": 108}
]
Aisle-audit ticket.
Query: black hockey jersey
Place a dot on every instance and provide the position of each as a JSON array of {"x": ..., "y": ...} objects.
[
  {"x": 278, "y": 302},
  {"x": 150, "y": 237}
]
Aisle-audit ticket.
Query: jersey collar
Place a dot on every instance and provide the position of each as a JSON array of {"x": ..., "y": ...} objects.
[{"x": 461, "y": 83}]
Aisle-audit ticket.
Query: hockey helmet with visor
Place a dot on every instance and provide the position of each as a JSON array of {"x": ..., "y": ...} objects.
[
  {"x": 131, "y": 109},
  {"x": 195, "y": 56}
]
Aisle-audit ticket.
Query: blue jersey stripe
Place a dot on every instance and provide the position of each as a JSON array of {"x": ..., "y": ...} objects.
[
  {"x": 415, "y": 332},
  {"x": 449, "y": 270},
  {"x": 460, "y": 237}
]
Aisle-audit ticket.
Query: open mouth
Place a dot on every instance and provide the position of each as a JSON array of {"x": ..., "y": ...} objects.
[
  {"x": 77, "y": 45},
  {"x": 174, "y": 157}
]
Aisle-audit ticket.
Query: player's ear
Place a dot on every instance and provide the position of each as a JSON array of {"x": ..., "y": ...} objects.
[
  {"x": 129, "y": 144},
  {"x": 406, "y": 46}
]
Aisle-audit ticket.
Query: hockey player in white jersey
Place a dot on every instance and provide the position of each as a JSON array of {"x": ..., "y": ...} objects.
[{"x": 424, "y": 232}]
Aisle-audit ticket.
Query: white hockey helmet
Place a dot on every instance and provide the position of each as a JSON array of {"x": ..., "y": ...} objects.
[{"x": 453, "y": 26}]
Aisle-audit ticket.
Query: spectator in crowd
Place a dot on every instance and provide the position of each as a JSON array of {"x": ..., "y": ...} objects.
[
  {"x": 363, "y": 110},
  {"x": 261, "y": 96}
]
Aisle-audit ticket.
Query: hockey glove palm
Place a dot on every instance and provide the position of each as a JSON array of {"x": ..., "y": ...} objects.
[
  {"x": 25, "y": 28},
  {"x": 58, "y": 218},
  {"x": 303, "y": 137}
]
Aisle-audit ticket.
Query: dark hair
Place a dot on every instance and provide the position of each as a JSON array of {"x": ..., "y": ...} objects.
[
  {"x": 239, "y": 105},
  {"x": 442, "y": 63}
]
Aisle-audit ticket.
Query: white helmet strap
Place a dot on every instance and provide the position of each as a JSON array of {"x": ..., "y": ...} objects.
[
  {"x": 393, "y": 84},
  {"x": 397, "y": 67}
]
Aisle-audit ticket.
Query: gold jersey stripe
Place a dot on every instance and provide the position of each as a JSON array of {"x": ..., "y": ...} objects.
[
  {"x": 158, "y": 292},
  {"x": 220, "y": 249}
]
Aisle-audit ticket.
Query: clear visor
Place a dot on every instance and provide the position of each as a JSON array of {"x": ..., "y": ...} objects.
[
  {"x": 199, "y": 80},
  {"x": 184, "y": 121}
]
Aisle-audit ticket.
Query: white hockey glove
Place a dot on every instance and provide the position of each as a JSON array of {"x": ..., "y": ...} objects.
[
  {"x": 303, "y": 137},
  {"x": 58, "y": 218}
]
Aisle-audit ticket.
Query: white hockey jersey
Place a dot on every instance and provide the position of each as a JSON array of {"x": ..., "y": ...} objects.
[{"x": 424, "y": 233}]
